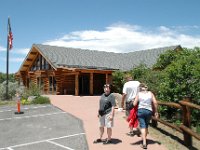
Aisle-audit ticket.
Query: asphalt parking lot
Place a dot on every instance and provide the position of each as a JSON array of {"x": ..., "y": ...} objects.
[{"x": 41, "y": 127}]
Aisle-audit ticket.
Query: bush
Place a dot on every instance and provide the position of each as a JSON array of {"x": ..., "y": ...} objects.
[
  {"x": 12, "y": 88},
  {"x": 33, "y": 90},
  {"x": 118, "y": 81},
  {"x": 41, "y": 100}
]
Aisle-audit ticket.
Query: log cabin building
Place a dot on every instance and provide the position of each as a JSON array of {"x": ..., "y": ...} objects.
[{"x": 73, "y": 71}]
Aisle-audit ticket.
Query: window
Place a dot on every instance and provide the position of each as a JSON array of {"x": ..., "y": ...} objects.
[{"x": 40, "y": 64}]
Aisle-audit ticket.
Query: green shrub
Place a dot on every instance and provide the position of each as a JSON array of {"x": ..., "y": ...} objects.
[
  {"x": 33, "y": 90},
  {"x": 118, "y": 81},
  {"x": 41, "y": 100},
  {"x": 12, "y": 87}
]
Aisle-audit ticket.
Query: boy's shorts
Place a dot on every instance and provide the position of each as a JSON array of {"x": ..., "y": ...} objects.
[{"x": 104, "y": 121}]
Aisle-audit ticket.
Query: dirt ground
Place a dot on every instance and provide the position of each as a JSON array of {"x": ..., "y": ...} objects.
[{"x": 171, "y": 138}]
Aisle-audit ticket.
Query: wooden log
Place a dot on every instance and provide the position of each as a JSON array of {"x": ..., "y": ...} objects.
[
  {"x": 189, "y": 104},
  {"x": 167, "y": 124},
  {"x": 171, "y": 104},
  {"x": 189, "y": 131}
]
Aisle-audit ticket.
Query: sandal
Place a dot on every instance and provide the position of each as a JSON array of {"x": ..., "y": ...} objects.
[
  {"x": 107, "y": 141},
  {"x": 97, "y": 141},
  {"x": 143, "y": 146},
  {"x": 138, "y": 133}
]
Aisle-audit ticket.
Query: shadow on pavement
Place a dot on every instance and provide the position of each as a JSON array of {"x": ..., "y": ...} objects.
[
  {"x": 116, "y": 141},
  {"x": 148, "y": 142}
]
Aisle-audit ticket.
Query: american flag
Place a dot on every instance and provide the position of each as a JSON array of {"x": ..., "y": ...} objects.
[{"x": 10, "y": 36}]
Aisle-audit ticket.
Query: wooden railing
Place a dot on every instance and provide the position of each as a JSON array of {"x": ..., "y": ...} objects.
[{"x": 185, "y": 128}]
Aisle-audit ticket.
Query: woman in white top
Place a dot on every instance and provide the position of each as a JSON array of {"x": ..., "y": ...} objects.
[{"x": 145, "y": 99}]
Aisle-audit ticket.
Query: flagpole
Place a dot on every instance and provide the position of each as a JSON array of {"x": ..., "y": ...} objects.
[
  {"x": 9, "y": 47},
  {"x": 7, "y": 60}
]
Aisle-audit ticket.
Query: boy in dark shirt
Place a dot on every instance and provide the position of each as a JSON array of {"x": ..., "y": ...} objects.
[{"x": 106, "y": 114}]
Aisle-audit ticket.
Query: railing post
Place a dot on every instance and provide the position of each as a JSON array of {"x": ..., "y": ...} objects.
[{"x": 187, "y": 123}]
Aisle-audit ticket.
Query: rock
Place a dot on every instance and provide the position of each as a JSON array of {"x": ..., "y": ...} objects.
[
  {"x": 31, "y": 98},
  {"x": 118, "y": 99}
]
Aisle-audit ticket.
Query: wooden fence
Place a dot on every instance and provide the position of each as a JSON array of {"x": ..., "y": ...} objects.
[{"x": 185, "y": 128}]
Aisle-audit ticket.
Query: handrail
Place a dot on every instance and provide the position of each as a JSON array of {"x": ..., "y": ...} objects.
[
  {"x": 189, "y": 104},
  {"x": 167, "y": 124},
  {"x": 171, "y": 104},
  {"x": 186, "y": 129}
]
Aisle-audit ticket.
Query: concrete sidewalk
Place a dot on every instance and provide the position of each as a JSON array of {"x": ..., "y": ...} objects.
[{"x": 85, "y": 108}]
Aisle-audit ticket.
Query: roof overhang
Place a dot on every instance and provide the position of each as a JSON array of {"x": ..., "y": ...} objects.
[{"x": 30, "y": 58}]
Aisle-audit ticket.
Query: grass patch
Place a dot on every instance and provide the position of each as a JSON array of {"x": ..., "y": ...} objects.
[
  {"x": 37, "y": 100},
  {"x": 10, "y": 103},
  {"x": 41, "y": 100}
]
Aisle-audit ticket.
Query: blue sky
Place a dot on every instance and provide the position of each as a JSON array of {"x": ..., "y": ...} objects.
[{"x": 105, "y": 25}]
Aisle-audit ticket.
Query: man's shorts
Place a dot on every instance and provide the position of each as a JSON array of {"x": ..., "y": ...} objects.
[
  {"x": 129, "y": 107},
  {"x": 104, "y": 121},
  {"x": 144, "y": 117}
]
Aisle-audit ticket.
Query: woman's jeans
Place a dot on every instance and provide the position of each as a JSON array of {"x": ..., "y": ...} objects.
[{"x": 144, "y": 117}]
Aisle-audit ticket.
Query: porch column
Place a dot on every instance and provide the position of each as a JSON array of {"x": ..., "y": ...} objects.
[
  {"x": 24, "y": 78},
  {"x": 46, "y": 85},
  {"x": 58, "y": 87},
  {"x": 91, "y": 84},
  {"x": 59, "y": 80},
  {"x": 76, "y": 85},
  {"x": 33, "y": 78},
  {"x": 107, "y": 78}
]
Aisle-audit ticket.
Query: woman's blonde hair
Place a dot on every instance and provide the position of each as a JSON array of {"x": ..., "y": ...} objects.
[{"x": 143, "y": 87}]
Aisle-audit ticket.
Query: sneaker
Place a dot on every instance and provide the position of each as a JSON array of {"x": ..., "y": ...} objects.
[{"x": 97, "y": 141}]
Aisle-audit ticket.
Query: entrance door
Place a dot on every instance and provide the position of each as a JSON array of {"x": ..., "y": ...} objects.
[{"x": 84, "y": 84}]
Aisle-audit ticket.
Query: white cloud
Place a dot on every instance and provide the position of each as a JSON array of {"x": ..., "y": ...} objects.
[
  {"x": 16, "y": 55},
  {"x": 126, "y": 38},
  {"x": 16, "y": 51},
  {"x": 21, "y": 51},
  {"x": 16, "y": 59},
  {"x": 2, "y": 48},
  {"x": 13, "y": 59}
]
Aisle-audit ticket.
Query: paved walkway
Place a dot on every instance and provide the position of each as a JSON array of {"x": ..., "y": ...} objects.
[{"x": 85, "y": 108}]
